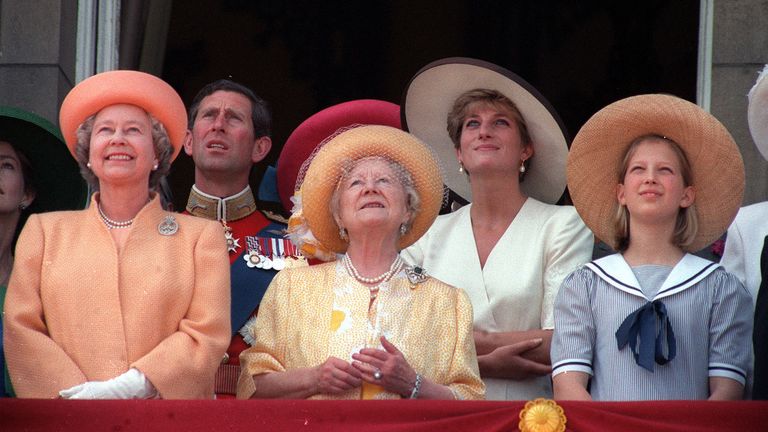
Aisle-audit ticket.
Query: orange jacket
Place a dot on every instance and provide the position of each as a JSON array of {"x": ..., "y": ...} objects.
[{"x": 78, "y": 311}]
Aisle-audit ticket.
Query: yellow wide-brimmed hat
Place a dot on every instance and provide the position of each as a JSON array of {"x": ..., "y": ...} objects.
[
  {"x": 325, "y": 169},
  {"x": 143, "y": 90},
  {"x": 597, "y": 151}
]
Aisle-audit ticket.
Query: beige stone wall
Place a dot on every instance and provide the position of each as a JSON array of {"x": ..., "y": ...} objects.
[
  {"x": 37, "y": 54},
  {"x": 739, "y": 51}
]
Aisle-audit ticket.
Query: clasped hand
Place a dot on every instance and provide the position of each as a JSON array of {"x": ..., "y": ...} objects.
[{"x": 396, "y": 375}]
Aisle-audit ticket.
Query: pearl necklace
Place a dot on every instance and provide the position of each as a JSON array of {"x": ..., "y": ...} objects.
[
  {"x": 393, "y": 269},
  {"x": 113, "y": 224}
]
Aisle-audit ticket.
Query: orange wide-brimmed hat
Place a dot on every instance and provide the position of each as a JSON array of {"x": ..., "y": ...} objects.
[
  {"x": 326, "y": 167},
  {"x": 143, "y": 90},
  {"x": 599, "y": 147}
]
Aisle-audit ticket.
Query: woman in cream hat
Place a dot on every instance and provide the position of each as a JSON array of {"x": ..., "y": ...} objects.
[
  {"x": 366, "y": 326},
  {"x": 745, "y": 246},
  {"x": 511, "y": 247},
  {"x": 121, "y": 300},
  {"x": 655, "y": 177}
]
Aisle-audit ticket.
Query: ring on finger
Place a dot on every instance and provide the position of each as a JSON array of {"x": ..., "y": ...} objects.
[{"x": 377, "y": 375}]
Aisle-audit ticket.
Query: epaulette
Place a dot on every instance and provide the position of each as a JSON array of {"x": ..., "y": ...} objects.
[{"x": 274, "y": 217}]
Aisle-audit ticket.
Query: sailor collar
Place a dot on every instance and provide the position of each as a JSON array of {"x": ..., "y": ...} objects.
[
  {"x": 230, "y": 208},
  {"x": 690, "y": 270}
]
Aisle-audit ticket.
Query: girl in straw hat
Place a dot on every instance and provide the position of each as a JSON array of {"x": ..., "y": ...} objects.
[
  {"x": 366, "y": 326},
  {"x": 653, "y": 321},
  {"x": 746, "y": 249},
  {"x": 123, "y": 299},
  {"x": 511, "y": 247}
]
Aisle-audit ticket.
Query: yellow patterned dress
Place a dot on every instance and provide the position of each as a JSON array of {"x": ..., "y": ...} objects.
[{"x": 311, "y": 313}]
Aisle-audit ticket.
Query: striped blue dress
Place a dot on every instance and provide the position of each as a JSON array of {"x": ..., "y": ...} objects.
[{"x": 710, "y": 313}]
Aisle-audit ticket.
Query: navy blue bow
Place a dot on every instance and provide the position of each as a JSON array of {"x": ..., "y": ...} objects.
[{"x": 642, "y": 324}]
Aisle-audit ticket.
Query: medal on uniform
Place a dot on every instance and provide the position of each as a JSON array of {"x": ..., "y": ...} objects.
[
  {"x": 232, "y": 242},
  {"x": 252, "y": 257},
  {"x": 293, "y": 258},
  {"x": 265, "y": 253},
  {"x": 278, "y": 255},
  {"x": 168, "y": 226}
]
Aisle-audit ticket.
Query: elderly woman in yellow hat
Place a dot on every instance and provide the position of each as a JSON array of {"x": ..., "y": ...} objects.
[
  {"x": 123, "y": 299},
  {"x": 366, "y": 326}
]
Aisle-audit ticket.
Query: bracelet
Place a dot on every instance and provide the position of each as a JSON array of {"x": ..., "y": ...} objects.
[{"x": 416, "y": 387}]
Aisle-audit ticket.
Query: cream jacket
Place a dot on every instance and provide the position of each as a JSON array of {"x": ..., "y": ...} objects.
[{"x": 77, "y": 310}]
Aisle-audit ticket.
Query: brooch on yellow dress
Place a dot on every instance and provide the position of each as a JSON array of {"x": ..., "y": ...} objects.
[
  {"x": 416, "y": 274},
  {"x": 542, "y": 415}
]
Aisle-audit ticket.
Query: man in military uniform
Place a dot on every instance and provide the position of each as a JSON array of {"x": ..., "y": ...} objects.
[{"x": 229, "y": 132}]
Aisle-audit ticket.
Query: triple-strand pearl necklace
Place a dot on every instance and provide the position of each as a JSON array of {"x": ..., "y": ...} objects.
[
  {"x": 113, "y": 224},
  {"x": 393, "y": 269}
]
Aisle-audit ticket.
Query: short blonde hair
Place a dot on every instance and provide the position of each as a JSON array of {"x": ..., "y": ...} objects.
[{"x": 687, "y": 223}]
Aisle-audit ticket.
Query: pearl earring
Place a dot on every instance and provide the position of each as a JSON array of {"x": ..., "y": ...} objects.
[
  {"x": 522, "y": 166},
  {"x": 88, "y": 164},
  {"x": 343, "y": 234},
  {"x": 154, "y": 167},
  {"x": 461, "y": 167}
]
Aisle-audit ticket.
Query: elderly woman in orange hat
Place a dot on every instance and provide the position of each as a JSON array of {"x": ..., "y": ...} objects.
[
  {"x": 366, "y": 326},
  {"x": 123, "y": 299}
]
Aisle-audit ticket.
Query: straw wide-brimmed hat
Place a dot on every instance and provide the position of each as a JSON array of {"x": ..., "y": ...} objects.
[
  {"x": 325, "y": 170},
  {"x": 56, "y": 176},
  {"x": 757, "y": 113},
  {"x": 599, "y": 147},
  {"x": 143, "y": 90},
  {"x": 431, "y": 94},
  {"x": 312, "y": 131}
]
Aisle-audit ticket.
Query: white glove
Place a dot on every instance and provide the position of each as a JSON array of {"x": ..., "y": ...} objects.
[{"x": 130, "y": 385}]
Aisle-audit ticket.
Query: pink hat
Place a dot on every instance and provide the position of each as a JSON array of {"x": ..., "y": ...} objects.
[{"x": 320, "y": 126}]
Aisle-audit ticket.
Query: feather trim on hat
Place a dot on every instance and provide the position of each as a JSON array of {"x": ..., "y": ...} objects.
[{"x": 299, "y": 233}]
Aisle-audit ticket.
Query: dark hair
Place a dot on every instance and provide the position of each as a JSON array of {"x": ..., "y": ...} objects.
[
  {"x": 27, "y": 173},
  {"x": 260, "y": 114}
]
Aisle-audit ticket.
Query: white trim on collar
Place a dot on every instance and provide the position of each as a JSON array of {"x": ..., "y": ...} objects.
[{"x": 614, "y": 270}]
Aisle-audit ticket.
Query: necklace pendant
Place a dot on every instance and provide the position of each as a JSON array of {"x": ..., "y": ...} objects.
[{"x": 168, "y": 226}]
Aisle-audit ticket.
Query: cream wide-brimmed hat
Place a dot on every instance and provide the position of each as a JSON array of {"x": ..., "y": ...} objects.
[
  {"x": 431, "y": 94},
  {"x": 757, "y": 112},
  {"x": 143, "y": 90},
  {"x": 325, "y": 169},
  {"x": 597, "y": 152}
]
